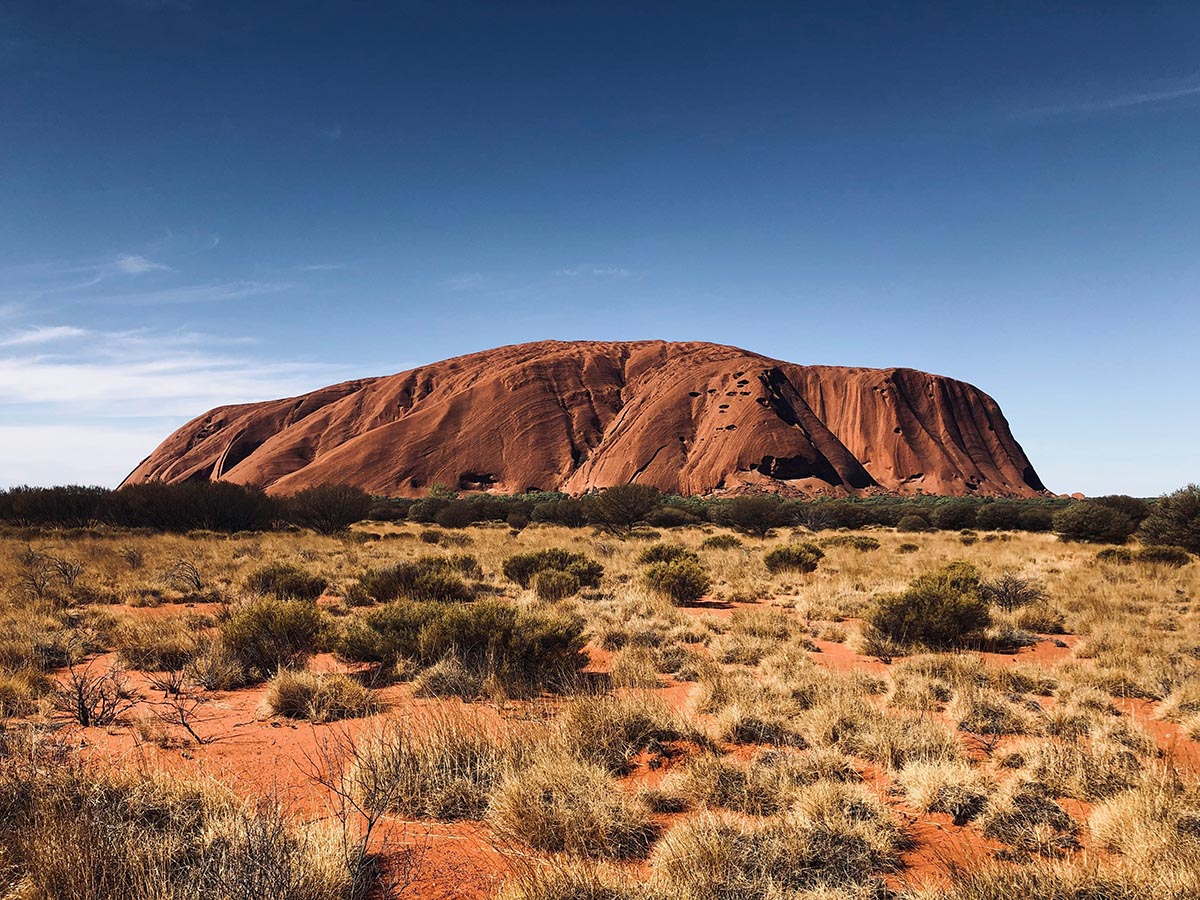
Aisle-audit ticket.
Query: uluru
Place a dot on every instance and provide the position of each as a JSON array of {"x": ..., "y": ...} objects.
[{"x": 686, "y": 417}]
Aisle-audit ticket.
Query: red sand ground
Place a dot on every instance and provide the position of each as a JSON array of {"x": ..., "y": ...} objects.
[{"x": 257, "y": 754}]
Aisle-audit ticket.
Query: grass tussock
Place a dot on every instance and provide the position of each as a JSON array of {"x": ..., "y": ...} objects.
[
  {"x": 561, "y": 804},
  {"x": 318, "y": 696},
  {"x": 443, "y": 766}
]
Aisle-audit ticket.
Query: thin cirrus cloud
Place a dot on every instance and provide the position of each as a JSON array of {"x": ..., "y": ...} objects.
[
  {"x": 136, "y": 264},
  {"x": 197, "y": 293},
  {"x": 595, "y": 271},
  {"x": 41, "y": 334},
  {"x": 1116, "y": 102}
]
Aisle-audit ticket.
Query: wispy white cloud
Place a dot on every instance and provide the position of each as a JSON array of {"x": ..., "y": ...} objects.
[
  {"x": 595, "y": 271},
  {"x": 41, "y": 334},
  {"x": 198, "y": 293},
  {"x": 321, "y": 267},
  {"x": 136, "y": 264},
  {"x": 463, "y": 282},
  {"x": 332, "y": 135},
  {"x": 1163, "y": 96}
]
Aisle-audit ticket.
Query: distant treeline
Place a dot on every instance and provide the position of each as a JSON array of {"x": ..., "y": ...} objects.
[{"x": 225, "y": 507}]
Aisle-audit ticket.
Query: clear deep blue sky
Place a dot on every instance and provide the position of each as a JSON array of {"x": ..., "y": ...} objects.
[{"x": 205, "y": 202}]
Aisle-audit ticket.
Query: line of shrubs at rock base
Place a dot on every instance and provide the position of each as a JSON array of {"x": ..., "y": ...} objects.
[{"x": 220, "y": 506}]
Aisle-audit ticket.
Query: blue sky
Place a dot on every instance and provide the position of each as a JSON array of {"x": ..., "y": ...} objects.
[{"x": 207, "y": 202}]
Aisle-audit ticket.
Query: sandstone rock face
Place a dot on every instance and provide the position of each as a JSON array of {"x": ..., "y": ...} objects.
[{"x": 691, "y": 418}]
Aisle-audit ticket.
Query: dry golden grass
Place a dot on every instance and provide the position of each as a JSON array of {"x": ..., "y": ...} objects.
[{"x": 766, "y": 738}]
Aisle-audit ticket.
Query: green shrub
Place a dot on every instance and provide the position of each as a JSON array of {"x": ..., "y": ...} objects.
[
  {"x": 620, "y": 508},
  {"x": 327, "y": 508},
  {"x": 1093, "y": 522},
  {"x": 794, "y": 558},
  {"x": 1174, "y": 520},
  {"x": 521, "y": 567},
  {"x": 267, "y": 635},
  {"x": 428, "y": 578},
  {"x": 755, "y": 515},
  {"x": 860, "y": 542},
  {"x": 552, "y": 585},
  {"x": 665, "y": 553},
  {"x": 908, "y": 548},
  {"x": 286, "y": 582},
  {"x": 680, "y": 580},
  {"x": 721, "y": 542},
  {"x": 1167, "y": 556},
  {"x": 1118, "y": 556},
  {"x": 913, "y": 522},
  {"x": 523, "y": 648},
  {"x": 939, "y": 609}
]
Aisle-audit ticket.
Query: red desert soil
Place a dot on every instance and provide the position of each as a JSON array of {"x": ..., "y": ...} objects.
[
  {"x": 684, "y": 417},
  {"x": 256, "y": 753}
]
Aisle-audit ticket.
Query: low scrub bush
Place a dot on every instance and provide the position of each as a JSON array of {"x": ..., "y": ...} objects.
[
  {"x": 793, "y": 558},
  {"x": 285, "y": 582},
  {"x": 526, "y": 649},
  {"x": 318, "y": 696},
  {"x": 1174, "y": 520},
  {"x": 551, "y": 585},
  {"x": 682, "y": 580},
  {"x": 428, "y": 578},
  {"x": 657, "y": 553},
  {"x": 721, "y": 542},
  {"x": 611, "y": 730},
  {"x": 940, "y": 609},
  {"x": 160, "y": 645},
  {"x": 522, "y": 567},
  {"x": 859, "y": 542},
  {"x": 1176, "y": 557},
  {"x": 267, "y": 635},
  {"x": 1119, "y": 556}
]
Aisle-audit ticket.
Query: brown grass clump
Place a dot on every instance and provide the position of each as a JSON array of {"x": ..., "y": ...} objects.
[
  {"x": 945, "y": 786},
  {"x": 611, "y": 730},
  {"x": 1024, "y": 815},
  {"x": 441, "y": 766},
  {"x": 765, "y": 785},
  {"x": 318, "y": 697},
  {"x": 560, "y": 804},
  {"x": 835, "y": 836}
]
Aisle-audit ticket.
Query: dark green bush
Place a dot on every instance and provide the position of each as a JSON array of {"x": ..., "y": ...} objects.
[
  {"x": 671, "y": 517},
  {"x": 524, "y": 648},
  {"x": 1174, "y": 520},
  {"x": 665, "y": 553},
  {"x": 552, "y": 585},
  {"x": 327, "y": 508},
  {"x": 908, "y": 548},
  {"x": 521, "y": 567},
  {"x": 1167, "y": 556},
  {"x": 267, "y": 635},
  {"x": 721, "y": 542},
  {"x": 1093, "y": 522},
  {"x": 682, "y": 580},
  {"x": 939, "y": 609},
  {"x": 998, "y": 515},
  {"x": 954, "y": 515},
  {"x": 794, "y": 558},
  {"x": 859, "y": 542},
  {"x": 913, "y": 523},
  {"x": 755, "y": 515},
  {"x": 620, "y": 508},
  {"x": 286, "y": 582},
  {"x": 431, "y": 578},
  {"x": 1119, "y": 556}
]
